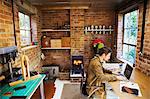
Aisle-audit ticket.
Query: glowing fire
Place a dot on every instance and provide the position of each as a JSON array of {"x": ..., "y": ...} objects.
[{"x": 77, "y": 62}]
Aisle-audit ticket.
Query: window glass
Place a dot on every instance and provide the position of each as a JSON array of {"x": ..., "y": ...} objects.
[
  {"x": 130, "y": 35},
  {"x": 24, "y": 22}
]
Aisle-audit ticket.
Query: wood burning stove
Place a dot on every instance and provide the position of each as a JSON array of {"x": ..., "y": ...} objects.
[
  {"x": 77, "y": 69},
  {"x": 77, "y": 64}
]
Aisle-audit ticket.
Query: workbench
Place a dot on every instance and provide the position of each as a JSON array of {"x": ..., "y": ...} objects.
[{"x": 31, "y": 86}]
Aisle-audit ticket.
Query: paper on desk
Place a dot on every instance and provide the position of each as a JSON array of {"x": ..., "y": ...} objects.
[
  {"x": 130, "y": 85},
  {"x": 113, "y": 66},
  {"x": 110, "y": 94}
]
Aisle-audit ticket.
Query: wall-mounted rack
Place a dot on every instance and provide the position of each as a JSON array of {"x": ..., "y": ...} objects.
[
  {"x": 98, "y": 29},
  {"x": 102, "y": 29}
]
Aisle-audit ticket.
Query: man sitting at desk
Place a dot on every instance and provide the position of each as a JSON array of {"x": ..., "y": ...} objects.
[{"x": 96, "y": 73}]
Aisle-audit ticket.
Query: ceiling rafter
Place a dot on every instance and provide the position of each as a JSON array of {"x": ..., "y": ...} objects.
[{"x": 67, "y": 4}]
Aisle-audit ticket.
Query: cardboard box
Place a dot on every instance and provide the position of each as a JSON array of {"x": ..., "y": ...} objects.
[
  {"x": 65, "y": 41},
  {"x": 55, "y": 43}
]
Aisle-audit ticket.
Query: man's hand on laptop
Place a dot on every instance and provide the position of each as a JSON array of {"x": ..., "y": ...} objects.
[{"x": 120, "y": 78}]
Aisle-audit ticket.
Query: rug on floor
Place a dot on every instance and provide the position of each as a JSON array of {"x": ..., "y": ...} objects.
[{"x": 72, "y": 91}]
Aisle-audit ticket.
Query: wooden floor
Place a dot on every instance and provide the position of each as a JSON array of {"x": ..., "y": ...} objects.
[{"x": 49, "y": 90}]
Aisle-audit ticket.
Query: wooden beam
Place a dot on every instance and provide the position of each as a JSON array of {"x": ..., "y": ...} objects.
[
  {"x": 64, "y": 7},
  {"x": 26, "y": 7},
  {"x": 143, "y": 25},
  {"x": 126, "y": 5},
  {"x": 59, "y": 3}
]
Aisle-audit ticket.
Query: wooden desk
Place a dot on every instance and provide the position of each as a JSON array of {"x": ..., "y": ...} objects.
[
  {"x": 143, "y": 82},
  {"x": 31, "y": 87}
]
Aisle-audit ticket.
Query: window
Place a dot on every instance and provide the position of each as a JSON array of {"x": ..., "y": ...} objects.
[
  {"x": 130, "y": 35},
  {"x": 24, "y": 22}
]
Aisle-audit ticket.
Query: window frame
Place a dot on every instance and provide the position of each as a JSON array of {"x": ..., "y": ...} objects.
[
  {"x": 128, "y": 44},
  {"x": 29, "y": 15}
]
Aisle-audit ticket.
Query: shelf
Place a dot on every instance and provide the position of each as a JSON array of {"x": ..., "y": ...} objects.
[
  {"x": 61, "y": 48},
  {"x": 67, "y": 30},
  {"x": 51, "y": 30}
]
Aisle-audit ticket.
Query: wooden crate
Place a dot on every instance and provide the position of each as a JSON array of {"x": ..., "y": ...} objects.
[
  {"x": 55, "y": 43},
  {"x": 65, "y": 41}
]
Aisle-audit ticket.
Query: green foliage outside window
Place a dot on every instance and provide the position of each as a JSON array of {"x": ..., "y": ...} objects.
[{"x": 130, "y": 35}]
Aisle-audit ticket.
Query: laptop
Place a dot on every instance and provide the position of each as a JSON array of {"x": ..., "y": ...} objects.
[{"x": 127, "y": 71}]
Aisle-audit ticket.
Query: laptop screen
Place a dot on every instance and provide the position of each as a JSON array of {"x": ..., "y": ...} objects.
[{"x": 128, "y": 71}]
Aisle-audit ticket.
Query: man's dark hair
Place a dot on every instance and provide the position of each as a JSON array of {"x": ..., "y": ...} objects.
[{"x": 104, "y": 50}]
